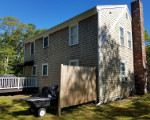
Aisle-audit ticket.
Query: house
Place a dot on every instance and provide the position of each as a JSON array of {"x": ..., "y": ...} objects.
[{"x": 101, "y": 37}]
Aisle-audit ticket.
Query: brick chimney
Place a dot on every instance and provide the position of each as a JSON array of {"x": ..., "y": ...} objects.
[{"x": 140, "y": 67}]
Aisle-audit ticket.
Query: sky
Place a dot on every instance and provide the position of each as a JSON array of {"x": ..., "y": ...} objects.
[{"x": 48, "y": 13}]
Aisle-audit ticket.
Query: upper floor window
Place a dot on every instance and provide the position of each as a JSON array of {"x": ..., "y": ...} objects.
[
  {"x": 45, "y": 42},
  {"x": 74, "y": 62},
  {"x": 73, "y": 34},
  {"x": 32, "y": 46},
  {"x": 129, "y": 39},
  {"x": 121, "y": 36},
  {"x": 34, "y": 70},
  {"x": 45, "y": 69}
]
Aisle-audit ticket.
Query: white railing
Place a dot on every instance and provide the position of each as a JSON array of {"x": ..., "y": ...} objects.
[{"x": 18, "y": 82}]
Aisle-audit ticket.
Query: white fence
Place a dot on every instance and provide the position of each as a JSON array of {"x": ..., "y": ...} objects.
[{"x": 18, "y": 82}]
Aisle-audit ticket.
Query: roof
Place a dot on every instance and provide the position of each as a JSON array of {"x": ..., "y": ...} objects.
[{"x": 79, "y": 17}]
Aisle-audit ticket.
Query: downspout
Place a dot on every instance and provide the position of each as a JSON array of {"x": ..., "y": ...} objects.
[{"x": 100, "y": 84}]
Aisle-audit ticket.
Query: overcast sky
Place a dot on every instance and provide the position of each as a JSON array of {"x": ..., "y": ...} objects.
[{"x": 48, "y": 13}]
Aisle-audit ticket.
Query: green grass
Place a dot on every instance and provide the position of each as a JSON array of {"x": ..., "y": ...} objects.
[{"x": 134, "y": 108}]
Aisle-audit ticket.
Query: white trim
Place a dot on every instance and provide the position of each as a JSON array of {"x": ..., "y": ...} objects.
[
  {"x": 123, "y": 35},
  {"x": 130, "y": 38},
  {"x": 48, "y": 41},
  {"x": 47, "y": 69},
  {"x": 74, "y": 60},
  {"x": 75, "y": 24},
  {"x": 110, "y": 6},
  {"x": 32, "y": 70},
  {"x": 34, "y": 48}
]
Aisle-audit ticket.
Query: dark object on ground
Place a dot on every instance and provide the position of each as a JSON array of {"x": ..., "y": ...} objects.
[
  {"x": 40, "y": 102},
  {"x": 8, "y": 75}
]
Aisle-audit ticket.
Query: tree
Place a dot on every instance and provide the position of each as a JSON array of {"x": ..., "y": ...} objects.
[
  {"x": 12, "y": 34},
  {"x": 147, "y": 37},
  {"x": 148, "y": 55}
]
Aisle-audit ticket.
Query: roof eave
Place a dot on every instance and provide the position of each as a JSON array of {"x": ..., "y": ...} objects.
[{"x": 62, "y": 25}]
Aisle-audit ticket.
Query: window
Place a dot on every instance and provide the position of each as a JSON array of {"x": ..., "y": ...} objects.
[
  {"x": 121, "y": 36},
  {"x": 45, "y": 42},
  {"x": 73, "y": 34},
  {"x": 45, "y": 69},
  {"x": 74, "y": 62},
  {"x": 34, "y": 70},
  {"x": 32, "y": 48},
  {"x": 129, "y": 39},
  {"x": 122, "y": 69}
]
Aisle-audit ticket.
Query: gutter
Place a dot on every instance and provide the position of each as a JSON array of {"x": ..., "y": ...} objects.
[{"x": 100, "y": 84}]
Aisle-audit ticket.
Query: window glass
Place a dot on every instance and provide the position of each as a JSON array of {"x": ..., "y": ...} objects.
[
  {"x": 34, "y": 70},
  {"x": 46, "y": 42},
  {"x": 121, "y": 36},
  {"x": 45, "y": 72},
  {"x": 32, "y": 48},
  {"x": 122, "y": 69},
  {"x": 73, "y": 35},
  {"x": 129, "y": 40},
  {"x": 74, "y": 62}
]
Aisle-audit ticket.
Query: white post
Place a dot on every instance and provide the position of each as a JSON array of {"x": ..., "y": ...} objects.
[{"x": 18, "y": 82}]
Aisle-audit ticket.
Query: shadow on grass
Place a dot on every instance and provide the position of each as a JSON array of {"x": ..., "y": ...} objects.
[
  {"x": 4, "y": 108},
  {"x": 137, "y": 109},
  {"x": 21, "y": 113},
  {"x": 134, "y": 108}
]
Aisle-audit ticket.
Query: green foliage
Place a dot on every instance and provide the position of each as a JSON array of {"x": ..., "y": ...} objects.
[
  {"x": 38, "y": 31},
  {"x": 148, "y": 55},
  {"x": 147, "y": 37},
  {"x": 12, "y": 34}
]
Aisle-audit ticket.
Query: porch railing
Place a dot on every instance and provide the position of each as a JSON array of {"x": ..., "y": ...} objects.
[{"x": 18, "y": 82}]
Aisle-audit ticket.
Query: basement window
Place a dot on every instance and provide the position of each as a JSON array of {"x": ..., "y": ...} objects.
[
  {"x": 73, "y": 34},
  {"x": 45, "y": 69},
  {"x": 121, "y": 36},
  {"x": 74, "y": 62},
  {"x": 45, "y": 42}
]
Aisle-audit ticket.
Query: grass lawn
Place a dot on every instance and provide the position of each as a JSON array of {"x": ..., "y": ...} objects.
[{"x": 134, "y": 108}]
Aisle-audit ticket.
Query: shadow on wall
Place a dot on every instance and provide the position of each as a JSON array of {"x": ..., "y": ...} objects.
[
  {"x": 79, "y": 83},
  {"x": 113, "y": 86}
]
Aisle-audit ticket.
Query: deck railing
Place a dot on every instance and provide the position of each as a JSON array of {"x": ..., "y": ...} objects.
[{"x": 18, "y": 82}]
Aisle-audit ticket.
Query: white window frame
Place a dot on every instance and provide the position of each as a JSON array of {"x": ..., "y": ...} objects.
[
  {"x": 36, "y": 70},
  {"x": 34, "y": 48},
  {"x": 47, "y": 69},
  {"x": 128, "y": 39},
  {"x": 74, "y": 60},
  {"x": 120, "y": 36},
  {"x": 70, "y": 34},
  {"x": 125, "y": 69},
  {"x": 48, "y": 41}
]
